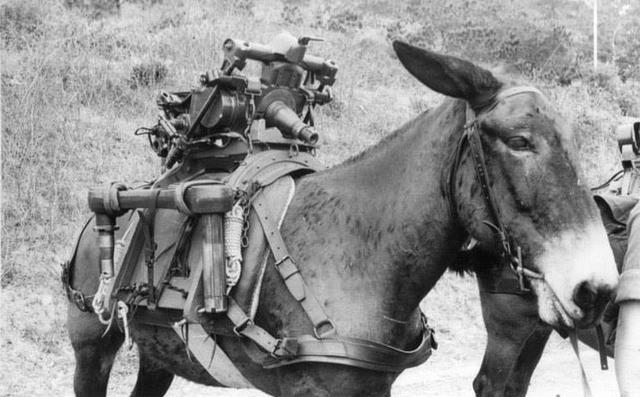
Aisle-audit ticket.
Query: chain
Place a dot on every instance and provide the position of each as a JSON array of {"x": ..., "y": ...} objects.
[
  {"x": 245, "y": 198},
  {"x": 246, "y": 208},
  {"x": 177, "y": 289}
]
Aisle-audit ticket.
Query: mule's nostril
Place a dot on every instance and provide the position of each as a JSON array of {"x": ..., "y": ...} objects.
[{"x": 585, "y": 296}]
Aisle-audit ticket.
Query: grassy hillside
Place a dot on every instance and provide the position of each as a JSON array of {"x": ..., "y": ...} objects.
[{"x": 78, "y": 77}]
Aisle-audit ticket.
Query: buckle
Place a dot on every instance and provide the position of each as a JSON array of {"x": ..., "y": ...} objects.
[
  {"x": 285, "y": 347},
  {"x": 286, "y": 258},
  {"x": 289, "y": 267},
  {"x": 330, "y": 331},
  {"x": 240, "y": 327}
]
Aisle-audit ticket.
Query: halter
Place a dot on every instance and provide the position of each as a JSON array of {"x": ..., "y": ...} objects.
[{"x": 511, "y": 252}]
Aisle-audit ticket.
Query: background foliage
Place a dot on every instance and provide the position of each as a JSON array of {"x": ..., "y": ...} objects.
[{"x": 78, "y": 76}]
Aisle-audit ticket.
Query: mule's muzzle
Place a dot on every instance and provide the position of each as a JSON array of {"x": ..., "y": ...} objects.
[{"x": 592, "y": 300}]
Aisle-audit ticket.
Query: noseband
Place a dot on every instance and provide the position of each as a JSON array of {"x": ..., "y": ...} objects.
[{"x": 511, "y": 252}]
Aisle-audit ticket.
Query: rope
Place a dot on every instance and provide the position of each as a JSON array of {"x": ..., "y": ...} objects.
[{"x": 615, "y": 177}]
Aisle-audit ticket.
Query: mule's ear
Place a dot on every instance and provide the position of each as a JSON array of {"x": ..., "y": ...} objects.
[{"x": 449, "y": 75}]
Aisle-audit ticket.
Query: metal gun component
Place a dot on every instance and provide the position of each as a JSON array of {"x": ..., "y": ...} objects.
[
  {"x": 290, "y": 85},
  {"x": 281, "y": 116},
  {"x": 209, "y": 198},
  {"x": 213, "y": 264}
]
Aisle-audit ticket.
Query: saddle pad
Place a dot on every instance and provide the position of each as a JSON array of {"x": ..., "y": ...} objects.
[
  {"x": 211, "y": 355},
  {"x": 279, "y": 194}
]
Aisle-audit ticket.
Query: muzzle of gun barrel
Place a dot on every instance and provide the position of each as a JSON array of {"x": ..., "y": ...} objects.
[{"x": 279, "y": 115}]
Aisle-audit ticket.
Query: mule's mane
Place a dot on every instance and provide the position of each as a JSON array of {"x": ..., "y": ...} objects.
[{"x": 386, "y": 140}]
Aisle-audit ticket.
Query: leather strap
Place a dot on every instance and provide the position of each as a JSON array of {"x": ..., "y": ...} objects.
[
  {"x": 82, "y": 301},
  {"x": 266, "y": 167},
  {"x": 210, "y": 355},
  {"x": 522, "y": 89},
  {"x": 511, "y": 253},
  {"x": 244, "y": 326},
  {"x": 586, "y": 389},
  {"x": 503, "y": 282},
  {"x": 148, "y": 220},
  {"x": 602, "y": 348},
  {"x": 360, "y": 352},
  {"x": 322, "y": 326}
]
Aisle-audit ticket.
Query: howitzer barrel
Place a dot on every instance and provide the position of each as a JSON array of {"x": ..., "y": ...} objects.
[
  {"x": 199, "y": 199},
  {"x": 287, "y": 121}
]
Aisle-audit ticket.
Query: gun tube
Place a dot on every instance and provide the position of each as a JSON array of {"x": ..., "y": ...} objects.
[
  {"x": 287, "y": 121},
  {"x": 213, "y": 264},
  {"x": 105, "y": 226}
]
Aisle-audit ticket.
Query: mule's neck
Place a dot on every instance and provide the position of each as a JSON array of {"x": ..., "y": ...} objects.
[{"x": 384, "y": 217}]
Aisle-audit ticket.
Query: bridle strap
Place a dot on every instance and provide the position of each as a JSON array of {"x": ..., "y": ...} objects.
[
  {"x": 511, "y": 252},
  {"x": 472, "y": 135},
  {"x": 523, "y": 89}
]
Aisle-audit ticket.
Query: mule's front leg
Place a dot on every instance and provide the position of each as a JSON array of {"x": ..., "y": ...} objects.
[{"x": 515, "y": 341}]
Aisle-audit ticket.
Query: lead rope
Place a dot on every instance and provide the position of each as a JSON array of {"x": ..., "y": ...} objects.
[{"x": 573, "y": 337}]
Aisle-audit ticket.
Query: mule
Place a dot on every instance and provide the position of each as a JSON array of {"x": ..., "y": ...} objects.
[{"x": 374, "y": 234}]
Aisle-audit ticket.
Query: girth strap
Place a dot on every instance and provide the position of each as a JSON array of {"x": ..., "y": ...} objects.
[{"x": 322, "y": 326}]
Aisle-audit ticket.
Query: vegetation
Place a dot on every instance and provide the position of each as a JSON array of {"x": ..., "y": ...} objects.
[{"x": 79, "y": 76}]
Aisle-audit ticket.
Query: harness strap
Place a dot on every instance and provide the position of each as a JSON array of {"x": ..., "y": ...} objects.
[
  {"x": 573, "y": 337},
  {"x": 505, "y": 281},
  {"x": 602, "y": 348},
  {"x": 472, "y": 135},
  {"x": 360, "y": 352},
  {"x": 150, "y": 250},
  {"x": 244, "y": 326},
  {"x": 521, "y": 89},
  {"x": 82, "y": 301},
  {"x": 322, "y": 326}
]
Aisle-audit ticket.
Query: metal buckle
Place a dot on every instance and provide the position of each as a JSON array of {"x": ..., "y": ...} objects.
[
  {"x": 321, "y": 335},
  {"x": 240, "y": 327},
  {"x": 287, "y": 258},
  {"x": 285, "y": 347}
]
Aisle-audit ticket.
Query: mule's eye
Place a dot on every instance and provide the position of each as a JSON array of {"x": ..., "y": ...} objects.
[{"x": 519, "y": 143}]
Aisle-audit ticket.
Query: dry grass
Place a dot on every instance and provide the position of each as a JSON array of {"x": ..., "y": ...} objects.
[{"x": 76, "y": 84}]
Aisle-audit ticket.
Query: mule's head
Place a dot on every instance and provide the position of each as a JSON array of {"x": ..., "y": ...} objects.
[{"x": 540, "y": 195}]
